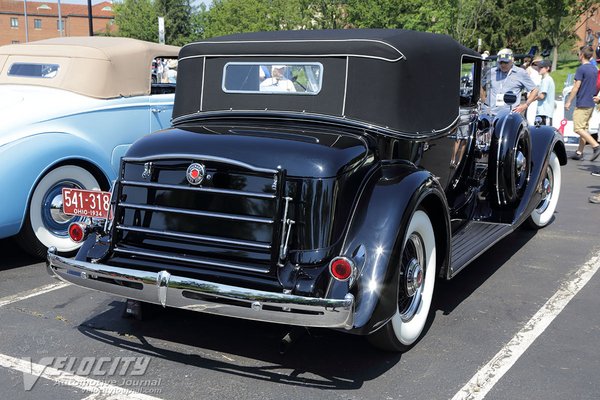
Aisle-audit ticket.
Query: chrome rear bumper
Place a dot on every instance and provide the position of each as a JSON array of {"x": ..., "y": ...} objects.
[{"x": 209, "y": 297}]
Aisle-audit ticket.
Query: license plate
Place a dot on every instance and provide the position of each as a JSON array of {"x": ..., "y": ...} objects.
[{"x": 86, "y": 203}]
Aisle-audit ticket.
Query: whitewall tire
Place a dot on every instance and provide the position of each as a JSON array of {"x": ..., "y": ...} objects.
[
  {"x": 45, "y": 224},
  {"x": 416, "y": 286},
  {"x": 542, "y": 215}
]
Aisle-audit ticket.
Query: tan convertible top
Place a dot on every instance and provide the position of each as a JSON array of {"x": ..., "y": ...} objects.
[{"x": 102, "y": 67}]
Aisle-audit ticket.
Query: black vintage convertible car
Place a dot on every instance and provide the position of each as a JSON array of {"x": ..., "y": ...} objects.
[{"x": 318, "y": 179}]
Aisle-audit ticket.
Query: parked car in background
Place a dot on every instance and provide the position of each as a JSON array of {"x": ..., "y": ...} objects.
[
  {"x": 320, "y": 179},
  {"x": 70, "y": 108}
]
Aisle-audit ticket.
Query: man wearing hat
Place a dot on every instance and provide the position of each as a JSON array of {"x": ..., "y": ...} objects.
[
  {"x": 504, "y": 78},
  {"x": 545, "y": 106}
]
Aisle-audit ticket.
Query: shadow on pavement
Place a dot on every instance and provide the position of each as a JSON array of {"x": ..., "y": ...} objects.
[
  {"x": 453, "y": 292},
  {"x": 303, "y": 364},
  {"x": 13, "y": 256}
]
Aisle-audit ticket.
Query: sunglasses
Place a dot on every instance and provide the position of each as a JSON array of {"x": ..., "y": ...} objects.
[{"x": 504, "y": 62}]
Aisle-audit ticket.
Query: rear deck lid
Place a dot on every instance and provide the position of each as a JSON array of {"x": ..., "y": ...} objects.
[{"x": 314, "y": 154}]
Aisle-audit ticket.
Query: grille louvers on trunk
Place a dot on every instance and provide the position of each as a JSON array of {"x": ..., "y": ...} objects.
[{"x": 231, "y": 221}]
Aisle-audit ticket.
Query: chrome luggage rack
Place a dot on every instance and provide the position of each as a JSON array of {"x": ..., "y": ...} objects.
[{"x": 280, "y": 220}]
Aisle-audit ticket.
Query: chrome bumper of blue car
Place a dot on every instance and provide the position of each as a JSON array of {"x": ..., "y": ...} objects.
[{"x": 209, "y": 297}]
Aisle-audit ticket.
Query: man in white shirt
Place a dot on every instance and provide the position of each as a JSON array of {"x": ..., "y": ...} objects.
[
  {"x": 277, "y": 82},
  {"x": 506, "y": 78}
]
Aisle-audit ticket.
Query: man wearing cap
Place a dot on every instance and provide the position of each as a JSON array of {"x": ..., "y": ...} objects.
[
  {"x": 504, "y": 78},
  {"x": 545, "y": 106}
]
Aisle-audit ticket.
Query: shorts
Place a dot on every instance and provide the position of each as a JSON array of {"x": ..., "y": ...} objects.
[{"x": 581, "y": 118}]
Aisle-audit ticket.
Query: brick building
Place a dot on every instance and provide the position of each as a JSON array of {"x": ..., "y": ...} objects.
[
  {"x": 589, "y": 20},
  {"x": 42, "y": 20}
]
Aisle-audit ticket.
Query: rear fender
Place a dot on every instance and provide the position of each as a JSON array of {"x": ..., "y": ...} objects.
[
  {"x": 380, "y": 218},
  {"x": 26, "y": 161}
]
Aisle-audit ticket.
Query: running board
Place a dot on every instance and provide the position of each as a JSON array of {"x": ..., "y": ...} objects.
[{"x": 472, "y": 240}]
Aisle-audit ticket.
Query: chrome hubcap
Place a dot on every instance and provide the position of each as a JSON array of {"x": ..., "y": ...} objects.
[
  {"x": 56, "y": 211},
  {"x": 53, "y": 217},
  {"x": 520, "y": 163},
  {"x": 413, "y": 275},
  {"x": 547, "y": 188}
]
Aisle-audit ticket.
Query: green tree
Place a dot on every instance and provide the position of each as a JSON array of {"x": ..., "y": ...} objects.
[
  {"x": 136, "y": 19},
  {"x": 560, "y": 18},
  {"x": 198, "y": 22},
  {"x": 465, "y": 19},
  {"x": 400, "y": 14},
  {"x": 177, "y": 14},
  {"x": 323, "y": 14},
  {"x": 235, "y": 16}
]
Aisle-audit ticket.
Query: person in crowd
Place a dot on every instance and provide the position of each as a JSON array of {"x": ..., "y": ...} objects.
[
  {"x": 545, "y": 106},
  {"x": 172, "y": 71},
  {"x": 526, "y": 64},
  {"x": 534, "y": 74},
  {"x": 277, "y": 82},
  {"x": 504, "y": 78},
  {"x": 589, "y": 37},
  {"x": 583, "y": 93},
  {"x": 165, "y": 74},
  {"x": 159, "y": 70}
]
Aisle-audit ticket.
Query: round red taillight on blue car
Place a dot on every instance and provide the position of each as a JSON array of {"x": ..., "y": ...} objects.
[
  {"x": 341, "y": 268},
  {"x": 77, "y": 232}
]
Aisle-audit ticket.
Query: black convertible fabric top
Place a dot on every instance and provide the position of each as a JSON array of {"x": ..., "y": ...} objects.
[{"x": 397, "y": 79}]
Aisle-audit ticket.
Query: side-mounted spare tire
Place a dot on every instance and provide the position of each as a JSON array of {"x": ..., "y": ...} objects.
[{"x": 509, "y": 167}]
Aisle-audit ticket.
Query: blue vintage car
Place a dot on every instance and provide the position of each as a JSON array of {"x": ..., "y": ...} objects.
[{"x": 70, "y": 107}]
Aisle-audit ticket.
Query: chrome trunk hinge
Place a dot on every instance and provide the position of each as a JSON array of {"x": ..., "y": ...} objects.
[
  {"x": 147, "y": 170},
  {"x": 286, "y": 229},
  {"x": 111, "y": 211}
]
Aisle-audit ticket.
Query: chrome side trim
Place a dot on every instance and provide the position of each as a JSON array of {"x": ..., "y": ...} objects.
[
  {"x": 204, "y": 296},
  {"x": 233, "y": 217},
  {"x": 191, "y": 236},
  {"x": 199, "y": 189},
  {"x": 189, "y": 259},
  {"x": 367, "y": 41},
  {"x": 200, "y": 157}
]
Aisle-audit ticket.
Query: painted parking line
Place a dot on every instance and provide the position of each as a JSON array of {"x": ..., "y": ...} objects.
[
  {"x": 99, "y": 390},
  {"x": 485, "y": 379},
  {"x": 32, "y": 293}
]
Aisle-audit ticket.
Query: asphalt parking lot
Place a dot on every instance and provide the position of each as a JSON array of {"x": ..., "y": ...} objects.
[{"x": 173, "y": 354}]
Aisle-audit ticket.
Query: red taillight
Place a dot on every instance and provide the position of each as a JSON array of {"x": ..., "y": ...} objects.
[
  {"x": 341, "y": 268},
  {"x": 77, "y": 232}
]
